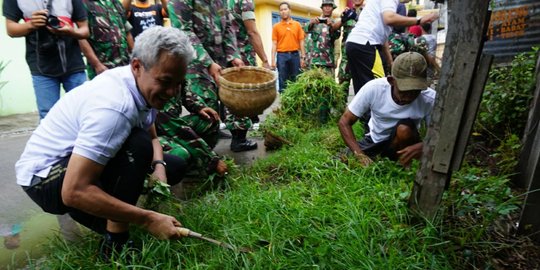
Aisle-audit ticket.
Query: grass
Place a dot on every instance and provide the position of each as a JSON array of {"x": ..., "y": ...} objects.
[{"x": 302, "y": 208}]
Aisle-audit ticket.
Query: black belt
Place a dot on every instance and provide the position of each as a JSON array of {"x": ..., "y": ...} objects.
[
  {"x": 378, "y": 46},
  {"x": 291, "y": 52}
]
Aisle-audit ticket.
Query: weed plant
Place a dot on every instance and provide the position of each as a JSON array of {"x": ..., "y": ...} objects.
[
  {"x": 3, "y": 65},
  {"x": 314, "y": 95}
]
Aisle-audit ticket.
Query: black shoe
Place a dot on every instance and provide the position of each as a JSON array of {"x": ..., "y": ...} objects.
[
  {"x": 245, "y": 145},
  {"x": 239, "y": 143},
  {"x": 110, "y": 250}
]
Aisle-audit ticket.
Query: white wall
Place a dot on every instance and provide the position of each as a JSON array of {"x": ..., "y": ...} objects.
[{"x": 17, "y": 96}]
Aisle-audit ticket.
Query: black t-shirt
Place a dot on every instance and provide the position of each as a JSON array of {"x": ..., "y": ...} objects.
[
  {"x": 143, "y": 18},
  {"x": 43, "y": 52}
]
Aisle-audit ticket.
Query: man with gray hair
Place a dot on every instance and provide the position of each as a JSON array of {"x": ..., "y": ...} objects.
[{"x": 90, "y": 156}]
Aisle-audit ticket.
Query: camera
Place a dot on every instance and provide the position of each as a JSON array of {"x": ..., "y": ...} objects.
[
  {"x": 53, "y": 22},
  {"x": 348, "y": 14},
  {"x": 322, "y": 20}
]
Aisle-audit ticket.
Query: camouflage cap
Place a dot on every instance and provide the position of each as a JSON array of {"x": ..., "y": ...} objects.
[
  {"x": 328, "y": 2},
  {"x": 409, "y": 71}
]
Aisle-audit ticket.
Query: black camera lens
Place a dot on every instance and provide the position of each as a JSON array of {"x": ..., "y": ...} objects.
[
  {"x": 53, "y": 22},
  {"x": 322, "y": 20}
]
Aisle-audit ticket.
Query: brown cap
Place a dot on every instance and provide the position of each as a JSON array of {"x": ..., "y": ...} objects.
[{"x": 409, "y": 71}]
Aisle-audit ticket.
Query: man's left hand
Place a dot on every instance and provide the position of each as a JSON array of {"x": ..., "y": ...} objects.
[
  {"x": 407, "y": 154},
  {"x": 65, "y": 29}
]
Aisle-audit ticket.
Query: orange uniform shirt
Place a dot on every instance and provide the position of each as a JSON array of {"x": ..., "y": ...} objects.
[{"x": 288, "y": 35}]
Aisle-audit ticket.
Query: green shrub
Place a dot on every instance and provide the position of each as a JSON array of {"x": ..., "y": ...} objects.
[
  {"x": 507, "y": 96},
  {"x": 314, "y": 95}
]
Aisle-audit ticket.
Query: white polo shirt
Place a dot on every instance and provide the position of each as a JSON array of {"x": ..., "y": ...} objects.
[
  {"x": 370, "y": 25},
  {"x": 92, "y": 120},
  {"x": 376, "y": 96}
]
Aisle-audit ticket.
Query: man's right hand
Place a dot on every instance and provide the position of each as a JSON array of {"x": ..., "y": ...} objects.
[
  {"x": 99, "y": 68},
  {"x": 209, "y": 114},
  {"x": 363, "y": 159},
  {"x": 39, "y": 18},
  {"x": 215, "y": 70},
  {"x": 221, "y": 168},
  {"x": 163, "y": 226}
]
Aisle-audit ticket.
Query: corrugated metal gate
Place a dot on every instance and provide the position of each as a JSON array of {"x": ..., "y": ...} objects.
[{"x": 514, "y": 28}]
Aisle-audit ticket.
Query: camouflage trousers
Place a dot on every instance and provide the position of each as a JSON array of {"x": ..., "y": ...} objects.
[
  {"x": 191, "y": 138},
  {"x": 207, "y": 90},
  {"x": 344, "y": 75}
]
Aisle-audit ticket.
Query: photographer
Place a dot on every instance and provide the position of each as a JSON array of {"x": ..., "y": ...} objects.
[
  {"x": 52, "y": 51},
  {"x": 322, "y": 32}
]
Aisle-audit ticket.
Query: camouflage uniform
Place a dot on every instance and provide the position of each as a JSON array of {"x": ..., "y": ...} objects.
[
  {"x": 208, "y": 24},
  {"x": 247, "y": 7},
  {"x": 344, "y": 76},
  {"x": 188, "y": 137},
  {"x": 320, "y": 41},
  {"x": 406, "y": 42},
  {"x": 108, "y": 27}
]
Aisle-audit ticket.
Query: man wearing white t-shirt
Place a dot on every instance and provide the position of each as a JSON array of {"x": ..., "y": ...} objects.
[
  {"x": 369, "y": 36},
  {"x": 90, "y": 155},
  {"x": 398, "y": 104}
]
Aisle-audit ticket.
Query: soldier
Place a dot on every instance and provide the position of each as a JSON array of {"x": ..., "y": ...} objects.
[
  {"x": 349, "y": 17},
  {"x": 208, "y": 24},
  {"x": 248, "y": 38},
  {"x": 184, "y": 136},
  {"x": 322, "y": 33},
  {"x": 110, "y": 39}
]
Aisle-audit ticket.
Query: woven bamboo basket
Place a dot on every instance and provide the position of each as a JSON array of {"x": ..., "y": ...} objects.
[{"x": 247, "y": 91}]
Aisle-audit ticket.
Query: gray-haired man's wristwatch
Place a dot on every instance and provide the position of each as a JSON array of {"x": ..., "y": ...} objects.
[{"x": 159, "y": 161}]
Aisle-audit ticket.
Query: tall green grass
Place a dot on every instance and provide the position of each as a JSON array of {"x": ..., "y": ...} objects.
[{"x": 302, "y": 208}]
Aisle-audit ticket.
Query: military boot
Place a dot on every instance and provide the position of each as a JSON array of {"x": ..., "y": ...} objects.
[{"x": 239, "y": 143}]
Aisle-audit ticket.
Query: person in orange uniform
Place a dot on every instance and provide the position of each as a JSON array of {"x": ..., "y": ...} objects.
[{"x": 288, "y": 44}]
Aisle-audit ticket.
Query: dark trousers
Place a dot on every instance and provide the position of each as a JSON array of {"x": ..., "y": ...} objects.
[
  {"x": 361, "y": 59},
  {"x": 288, "y": 64},
  {"x": 385, "y": 148},
  {"x": 123, "y": 178}
]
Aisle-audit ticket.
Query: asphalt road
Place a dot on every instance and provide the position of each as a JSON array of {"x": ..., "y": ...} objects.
[{"x": 16, "y": 205}]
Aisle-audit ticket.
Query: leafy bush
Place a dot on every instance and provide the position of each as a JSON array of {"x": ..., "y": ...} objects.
[
  {"x": 507, "y": 96},
  {"x": 314, "y": 95}
]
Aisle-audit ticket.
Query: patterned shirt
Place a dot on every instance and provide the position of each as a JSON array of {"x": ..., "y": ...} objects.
[
  {"x": 208, "y": 25},
  {"x": 242, "y": 10},
  {"x": 320, "y": 40},
  {"x": 108, "y": 33}
]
